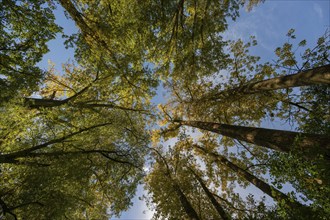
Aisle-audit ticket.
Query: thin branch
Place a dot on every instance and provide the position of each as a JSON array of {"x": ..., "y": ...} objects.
[
  {"x": 246, "y": 148},
  {"x": 256, "y": 165},
  {"x": 229, "y": 204},
  {"x": 54, "y": 141}
]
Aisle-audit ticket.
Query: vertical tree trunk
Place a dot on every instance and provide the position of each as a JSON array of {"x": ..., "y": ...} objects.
[
  {"x": 264, "y": 187},
  {"x": 190, "y": 211},
  {"x": 274, "y": 139},
  {"x": 215, "y": 203}
]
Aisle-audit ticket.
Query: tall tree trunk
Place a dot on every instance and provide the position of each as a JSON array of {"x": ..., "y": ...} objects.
[
  {"x": 215, "y": 203},
  {"x": 279, "y": 140},
  {"x": 86, "y": 30},
  {"x": 185, "y": 202},
  {"x": 77, "y": 17},
  {"x": 318, "y": 75},
  {"x": 190, "y": 211},
  {"x": 264, "y": 187}
]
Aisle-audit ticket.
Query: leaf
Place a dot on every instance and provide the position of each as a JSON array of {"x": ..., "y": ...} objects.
[
  {"x": 302, "y": 43},
  {"x": 290, "y": 34}
]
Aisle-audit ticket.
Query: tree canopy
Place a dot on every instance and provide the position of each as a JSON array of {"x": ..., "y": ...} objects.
[{"x": 76, "y": 143}]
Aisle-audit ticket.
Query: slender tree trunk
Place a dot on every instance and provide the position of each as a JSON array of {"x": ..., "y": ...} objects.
[
  {"x": 48, "y": 103},
  {"x": 86, "y": 30},
  {"x": 274, "y": 139},
  {"x": 318, "y": 75},
  {"x": 185, "y": 203},
  {"x": 190, "y": 211},
  {"x": 215, "y": 203},
  {"x": 76, "y": 16},
  {"x": 264, "y": 187}
]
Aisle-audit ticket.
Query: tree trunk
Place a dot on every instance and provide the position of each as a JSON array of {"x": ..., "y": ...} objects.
[
  {"x": 264, "y": 187},
  {"x": 185, "y": 203},
  {"x": 279, "y": 140},
  {"x": 190, "y": 211},
  {"x": 83, "y": 26},
  {"x": 215, "y": 203},
  {"x": 318, "y": 75},
  {"x": 76, "y": 16}
]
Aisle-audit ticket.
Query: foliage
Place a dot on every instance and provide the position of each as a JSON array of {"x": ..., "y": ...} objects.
[
  {"x": 78, "y": 149},
  {"x": 25, "y": 28}
]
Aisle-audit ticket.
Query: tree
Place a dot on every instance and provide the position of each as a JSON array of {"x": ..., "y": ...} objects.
[
  {"x": 318, "y": 75},
  {"x": 26, "y": 27},
  {"x": 199, "y": 187},
  {"x": 163, "y": 171},
  {"x": 79, "y": 150},
  {"x": 91, "y": 147},
  {"x": 267, "y": 189},
  {"x": 274, "y": 139},
  {"x": 241, "y": 96},
  {"x": 68, "y": 164},
  {"x": 210, "y": 195}
]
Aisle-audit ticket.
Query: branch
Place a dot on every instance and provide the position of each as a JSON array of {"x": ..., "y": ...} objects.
[
  {"x": 246, "y": 148},
  {"x": 6, "y": 209},
  {"x": 299, "y": 106},
  {"x": 25, "y": 204},
  {"x": 228, "y": 203},
  {"x": 25, "y": 152},
  {"x": 255, "y": 165}
]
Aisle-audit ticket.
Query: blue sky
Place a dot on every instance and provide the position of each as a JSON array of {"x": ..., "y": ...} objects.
[{"x": 269, "y": 22}]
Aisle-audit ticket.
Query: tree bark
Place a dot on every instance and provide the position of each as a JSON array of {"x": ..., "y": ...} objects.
[
  {"x": 318, "y": 75},
  {"x": 83, "y": 26},
  {"x": 264, "y": 187},
  {"x": 190, "y": 211},
  {"x": 215, "y": 203},
  {"x": 279, "y": 140},
  {"x": 77, "y": 17},
  {"x": 185, "y": 202}
]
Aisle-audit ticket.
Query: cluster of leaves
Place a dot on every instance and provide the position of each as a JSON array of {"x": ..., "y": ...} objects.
[
  {"x": 25, "y": 28},
  {"x": 79, "y": 150},
  {"x": 228, "y": 99}
]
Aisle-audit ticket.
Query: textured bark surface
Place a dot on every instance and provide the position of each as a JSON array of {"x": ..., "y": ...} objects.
[
  {"x": 275, "y": 139},
  {"x": 215, "y": 203},
  {"x": 264, "y": 187},
  {"x": 315, "y": 76},
  {"x": 318, "y": 75},
  {"x": 35, "y": 103},
  {"x": 185, "y": 203}
]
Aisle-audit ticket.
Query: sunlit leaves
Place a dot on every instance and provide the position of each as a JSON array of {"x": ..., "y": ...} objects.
[{"x": 26, "y": 27}]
